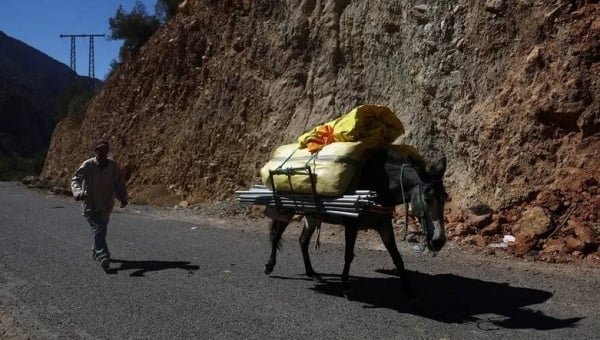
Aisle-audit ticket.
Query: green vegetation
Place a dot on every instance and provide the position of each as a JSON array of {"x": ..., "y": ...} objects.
[
  {"x": 14, "y": 168},
  {"x": 74, "y": 100},
  {"x": 135, "y": 28}
]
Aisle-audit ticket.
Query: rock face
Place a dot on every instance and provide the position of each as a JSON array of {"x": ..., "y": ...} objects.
[{"x": 507, "y": 91}]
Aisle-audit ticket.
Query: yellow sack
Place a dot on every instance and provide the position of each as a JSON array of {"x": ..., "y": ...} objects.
[
  {"x": 372, "y": 124},
  {"x": 333, "y": 168}
]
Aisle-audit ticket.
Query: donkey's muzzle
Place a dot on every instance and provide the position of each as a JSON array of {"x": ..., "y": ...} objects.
[{"x": 437, "y": 242}]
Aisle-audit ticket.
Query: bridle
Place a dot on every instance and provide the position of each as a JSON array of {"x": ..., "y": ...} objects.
[{"x": 418, "y": 210}]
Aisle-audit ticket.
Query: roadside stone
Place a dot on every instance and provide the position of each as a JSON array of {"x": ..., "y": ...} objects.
[
  {"x": 454, "y": 218},
  {"x": 586, "y": 235},
  {"x": 184, "y": 204},
  {"x": 476, "y": 240},
  {"x": 535, "y": 220},
  {"x": 524, "y": 242},
  {"x": 574, "y": 245},
  {"x": 29, "y": 180},
  {"x": 461, "y": 229},
  {"x": 490, "y": 251},
  {"x": 593, "y": 257},
  {"x": 501, "y": 219},
  {"x": 549, "y": 199},
  {"x": 479, "y": 221},
  {"x": 554, "y": 246},
  {"x": 549, "y": 258},
  {"x": 492, "y": 229},
  {"x": 582, "y": 184}
]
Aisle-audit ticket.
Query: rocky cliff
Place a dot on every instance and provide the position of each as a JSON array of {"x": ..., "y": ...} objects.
[{"x": 506, "y": 90}]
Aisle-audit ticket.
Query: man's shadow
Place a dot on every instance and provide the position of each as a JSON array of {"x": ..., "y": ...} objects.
[
  {"x": 450, "y": 299},
  {"x": 142, "y": 267}
]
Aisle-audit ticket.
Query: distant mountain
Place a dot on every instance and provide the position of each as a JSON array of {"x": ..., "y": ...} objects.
[{"x": 30, "y": 83}]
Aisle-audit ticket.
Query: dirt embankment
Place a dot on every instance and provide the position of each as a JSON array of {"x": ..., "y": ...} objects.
[{"x": 506, "y": 90}]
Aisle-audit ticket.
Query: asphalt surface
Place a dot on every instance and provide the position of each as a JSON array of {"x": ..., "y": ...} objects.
[{"x": 173, "y": 279}]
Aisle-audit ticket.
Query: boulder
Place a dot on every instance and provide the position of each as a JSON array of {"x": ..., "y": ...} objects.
[
  {"x": 524, "y": 242},
  {"x": 461, "y": 229},
  {"x": 534, "y": 220},
  {"x": 554, "y": 246},
  {"x": 584, "y": 234},
  {"x": 30, "y": 180},
  {"x": 492, "y": 229},
  {"x": 479, "y": 221},
  {"x": 574, "y": 244},
  {"x": 476, "y": 240}
]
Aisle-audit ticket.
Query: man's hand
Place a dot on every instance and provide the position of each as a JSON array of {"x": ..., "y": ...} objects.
[
  {"x": 123, "y": 204},
  {"x": 81, "y": 196}
]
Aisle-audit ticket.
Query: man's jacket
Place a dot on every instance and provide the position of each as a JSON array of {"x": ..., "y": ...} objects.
[{"x": 99, "y": 184}]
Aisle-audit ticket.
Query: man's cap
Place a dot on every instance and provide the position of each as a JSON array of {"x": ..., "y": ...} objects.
[{"x": 101, "y": 144}]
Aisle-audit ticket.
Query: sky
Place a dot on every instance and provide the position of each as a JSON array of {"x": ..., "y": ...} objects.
[{"x": 39, "y": 24}]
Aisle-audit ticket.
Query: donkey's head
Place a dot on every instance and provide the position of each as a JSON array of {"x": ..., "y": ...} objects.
[{"x": 427, "y": 201}]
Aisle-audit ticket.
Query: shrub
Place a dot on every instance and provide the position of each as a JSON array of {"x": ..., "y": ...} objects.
[{"x": 135, "y": 28}]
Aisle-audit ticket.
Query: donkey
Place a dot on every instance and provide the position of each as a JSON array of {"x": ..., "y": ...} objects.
[{"x": 395, "y": 177}]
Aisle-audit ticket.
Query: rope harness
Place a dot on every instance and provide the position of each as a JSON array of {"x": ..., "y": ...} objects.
[{"x": 420, "y": 212}]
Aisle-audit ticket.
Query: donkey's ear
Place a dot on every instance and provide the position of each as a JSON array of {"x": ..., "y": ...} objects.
[{"x": 439, "y": 168}]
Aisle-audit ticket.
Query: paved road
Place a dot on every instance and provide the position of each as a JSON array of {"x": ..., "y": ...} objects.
[{"x": 173, "y": 279}]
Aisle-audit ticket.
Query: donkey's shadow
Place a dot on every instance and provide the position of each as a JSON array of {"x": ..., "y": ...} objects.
[
  {"x": 142, "y": 267},
  {"x": 452, "y": 299}
]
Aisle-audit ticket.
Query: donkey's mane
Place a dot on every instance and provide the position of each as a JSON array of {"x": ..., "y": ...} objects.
[{"x": 408, "y": 155}]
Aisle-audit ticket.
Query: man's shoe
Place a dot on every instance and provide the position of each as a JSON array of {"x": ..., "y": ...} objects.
[
  {"x": 104, "y": 261},
  {"x": 97, "y": 257}
]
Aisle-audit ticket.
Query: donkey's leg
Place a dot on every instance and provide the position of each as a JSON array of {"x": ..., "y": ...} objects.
[
  {"x": 350, "y": 232},
  {"x": 310, "y": 224},
  {"x": 276, "y": 230},
  {"x": 386, "y": 231}
]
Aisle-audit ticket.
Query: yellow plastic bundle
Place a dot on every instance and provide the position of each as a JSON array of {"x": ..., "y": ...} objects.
[
  {"x": 333, "y": 168},
  {"x": 373, "y": 125}
]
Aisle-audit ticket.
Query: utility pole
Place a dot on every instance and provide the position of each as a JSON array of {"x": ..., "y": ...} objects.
[{"x": 91, "y": 74}]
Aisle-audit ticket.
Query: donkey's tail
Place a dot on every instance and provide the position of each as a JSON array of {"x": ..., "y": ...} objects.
[
  {"x": 276, "y": 231},
  {"x": 279, "y": 221}
]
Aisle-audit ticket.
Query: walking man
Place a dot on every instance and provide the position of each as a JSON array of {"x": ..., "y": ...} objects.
[{"x": 96, "y": 183}]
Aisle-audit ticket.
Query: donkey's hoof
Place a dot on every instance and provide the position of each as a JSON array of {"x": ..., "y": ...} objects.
[{"x": 268, "y": 269}]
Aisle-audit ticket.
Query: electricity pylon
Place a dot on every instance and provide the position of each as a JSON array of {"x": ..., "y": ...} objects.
[{"x": 91, "y": 74}]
